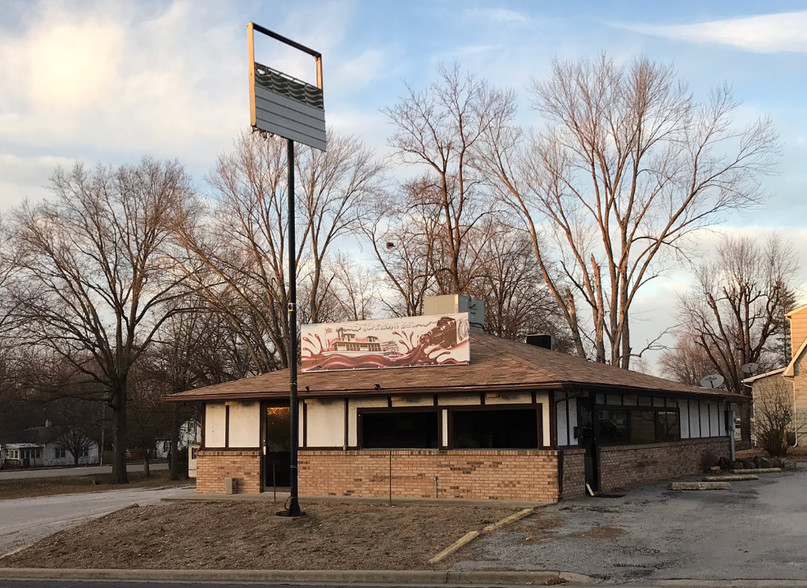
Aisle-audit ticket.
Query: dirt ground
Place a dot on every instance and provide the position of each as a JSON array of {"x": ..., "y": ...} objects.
[
  {"x": 249, "y": 535},
  {"x": 799, "y": 453},
  {"x": 31, "y": 487}
]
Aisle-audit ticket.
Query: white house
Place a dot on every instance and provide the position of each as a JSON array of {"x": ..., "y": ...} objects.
[{"x": 46, "y": 446}]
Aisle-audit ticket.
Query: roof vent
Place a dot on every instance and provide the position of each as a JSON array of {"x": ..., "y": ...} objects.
[{"x": 544, "y": 341}]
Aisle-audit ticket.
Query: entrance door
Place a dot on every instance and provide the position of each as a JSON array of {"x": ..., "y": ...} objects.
[
  {"x": 588, "y": 440},
  {"x": 277, "y": 459}
]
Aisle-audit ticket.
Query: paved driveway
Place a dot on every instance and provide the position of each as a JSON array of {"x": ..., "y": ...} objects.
[
  {"x": 758, "y": 530},
  {"x": 24, "y": 520}
]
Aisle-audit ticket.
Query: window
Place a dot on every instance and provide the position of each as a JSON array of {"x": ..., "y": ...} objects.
[
  {"x": 638, "y": 426},
  {"x": 60, "y": 452},
  {"x": 613, "y": 425},
  {"x": 494, "y": 428},
  {"x": 667, "y": 426},
  {"x": 399, "y": 429}
]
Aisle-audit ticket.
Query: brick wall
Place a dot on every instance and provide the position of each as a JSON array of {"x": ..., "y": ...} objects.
[
  {"x": 574, "y": 473},
  {"x": 627, "y": 465},
  {"x": 530, "y": 475},
  {"x": 214, "y": 465}
]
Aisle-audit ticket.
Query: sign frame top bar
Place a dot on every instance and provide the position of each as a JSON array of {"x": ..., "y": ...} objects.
[{"x": 252, "y": 26}]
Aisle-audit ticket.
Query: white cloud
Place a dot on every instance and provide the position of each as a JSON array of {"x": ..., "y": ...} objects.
[
  {"x": 768, "y": 33},
  {"x": 123, "y": 81},
  {"x": 26, "y": 177},
  {"x": 498, "y": 16}
]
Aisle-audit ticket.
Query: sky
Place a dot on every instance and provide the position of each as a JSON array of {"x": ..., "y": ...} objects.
[{"x": 101, "y": 81}]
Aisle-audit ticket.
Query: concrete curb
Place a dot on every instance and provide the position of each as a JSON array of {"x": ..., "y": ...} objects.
[
  {"x": 757, "y": 471},
  {"x": 507, "y": 520},
  {"x": 461, "y": 542},
  {"x": 308, "y": 576},
  {"x": 678, "y": 486},
  {"x": 695, "y": 583},
  {"x": 470, "y": 536},
  {"x": 733, "y": 478}
]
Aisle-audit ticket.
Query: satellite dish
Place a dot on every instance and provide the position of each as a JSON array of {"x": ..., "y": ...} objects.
[
  {"x": 712, "y": 381},
  {"x": 749, "y": 368}
]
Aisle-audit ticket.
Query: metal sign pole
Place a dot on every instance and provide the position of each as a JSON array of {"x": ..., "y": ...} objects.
[
  {"x": 295, "y": 110},
  {"x": 294, "y": 505}
]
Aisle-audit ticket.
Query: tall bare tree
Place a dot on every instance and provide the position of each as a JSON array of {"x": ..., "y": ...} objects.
[
  {"x": 97, "y": 275},
  {"x": 191, "y": 349},
  {"x": 403, "y": 243},
  {"x": 735, "y": 312},
  {"x": 438, "y": 133},
  {"x": 628, "y": 164},
  {"x": 237, "y": 251},
  {"x": 517, "y": 301}
]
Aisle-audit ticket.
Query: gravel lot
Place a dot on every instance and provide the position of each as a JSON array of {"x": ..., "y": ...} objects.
[{"x": 758, "y": 530}]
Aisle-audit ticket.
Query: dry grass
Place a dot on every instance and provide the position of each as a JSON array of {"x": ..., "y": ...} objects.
[
  {"x": 32, "y": 487},
  {"x": 249, "y": 535}
]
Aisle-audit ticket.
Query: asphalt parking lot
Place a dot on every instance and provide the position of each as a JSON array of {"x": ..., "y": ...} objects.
[{"x": 757, "y": 530}]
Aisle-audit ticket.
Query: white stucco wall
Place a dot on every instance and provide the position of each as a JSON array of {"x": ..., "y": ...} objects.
[
  {"x": 215, "y": 424},
  {"x": 245, "y": 424},
  {"x": 326, "y": 423}
]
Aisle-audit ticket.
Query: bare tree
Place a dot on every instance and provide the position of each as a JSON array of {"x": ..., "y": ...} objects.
[
  {"x": 517, "y": 302},
  {"x": 237, "y": 252},
  {"x": 772, "y": 420},
  {"x": 628, "y": 165},
  {"x": 335, "y": 188},
  {"x": 735, "y": 311},
  {"x": 403, "y": 245},
  {"x": 439, "y": 133},
  {"x": 75, "y": 441},
  {"x": 687, "y": 362},
  {"x": 191, "y": 349},
  {"x": 97, "y": 276},
  {"x": 355, "y": 289}
]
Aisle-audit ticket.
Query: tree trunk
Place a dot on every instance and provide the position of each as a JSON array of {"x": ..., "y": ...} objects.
[
  {"x": 146, "y": 462},
  {"x": 119, "y": 441},
  {"x": 173, "y": 458}
]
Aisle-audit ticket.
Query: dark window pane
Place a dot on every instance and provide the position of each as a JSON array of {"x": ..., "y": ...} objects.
[
  {"x": 642, "y": 426},
  {"x": 613, "y": 426},
  {"x": 667, "y": 426},
  {"x": 400, "y": 430},
  {"x": 495, "y": 429}
]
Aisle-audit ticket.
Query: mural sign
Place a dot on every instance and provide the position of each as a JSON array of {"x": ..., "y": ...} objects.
[{"x": 386, "y": 343}]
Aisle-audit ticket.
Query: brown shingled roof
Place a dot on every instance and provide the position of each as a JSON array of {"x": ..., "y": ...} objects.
[{"x": 496, "y": 364}]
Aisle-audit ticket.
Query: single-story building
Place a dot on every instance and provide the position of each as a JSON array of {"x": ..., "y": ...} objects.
[
  {"x": 47, "y": 446},
  {"x": 517, "y": 421}
]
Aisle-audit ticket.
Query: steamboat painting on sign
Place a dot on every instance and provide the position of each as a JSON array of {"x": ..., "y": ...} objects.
[{"x": 386, "y": 343}]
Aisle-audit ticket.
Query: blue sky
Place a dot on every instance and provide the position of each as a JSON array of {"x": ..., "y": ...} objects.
[{"x": 105, "y": 81}]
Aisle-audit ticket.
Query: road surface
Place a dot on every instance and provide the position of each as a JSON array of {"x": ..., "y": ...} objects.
[
  {"x": 25, "y": 520},
  {"x": 78, "y": 471}
]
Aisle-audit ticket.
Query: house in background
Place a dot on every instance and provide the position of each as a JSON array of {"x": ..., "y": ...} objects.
[
  {"x": 796, "y": 371},
  {"x": 189, "y": 432},
  {"x": 47, "y": 446},
  {"x": 788, "y": 385},
  {"x": 516, "y": 421}
]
